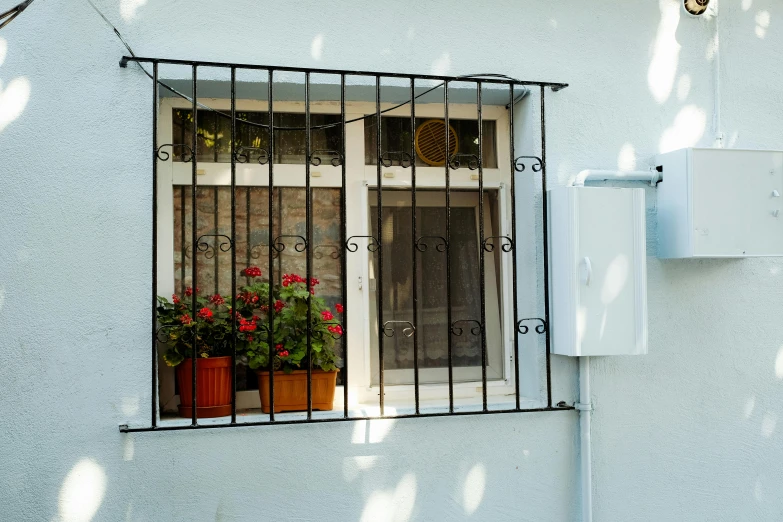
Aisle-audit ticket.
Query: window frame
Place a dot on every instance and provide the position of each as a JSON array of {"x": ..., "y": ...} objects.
[{"x": 360, "y": 178}]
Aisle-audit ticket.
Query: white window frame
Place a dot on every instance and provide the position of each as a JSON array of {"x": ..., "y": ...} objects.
[{"x": 360, "y": 179}]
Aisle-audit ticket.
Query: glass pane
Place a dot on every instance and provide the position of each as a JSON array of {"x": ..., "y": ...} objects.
[
  {"x": 395, "y": 137},
  {"x": 252, "y": 240},
  {"x": 433, "y": 327},
  {"x": 214, "y": 134}
]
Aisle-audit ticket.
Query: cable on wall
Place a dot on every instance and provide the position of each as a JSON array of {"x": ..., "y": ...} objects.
[
  {"x": 262, "y": 125},
  {"x": 8, "y": 16}
]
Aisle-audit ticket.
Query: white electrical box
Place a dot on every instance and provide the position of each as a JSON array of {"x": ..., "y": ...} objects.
[
  {"x": 720, "y": 203},
  {"x": 598, "y": 271}
]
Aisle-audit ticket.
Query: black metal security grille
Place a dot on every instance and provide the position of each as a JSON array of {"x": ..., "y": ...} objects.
[{"x": 349, "y": 242}]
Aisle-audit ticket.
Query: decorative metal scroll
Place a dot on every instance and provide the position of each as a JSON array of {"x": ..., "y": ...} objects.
[
  {"x": 458, "y": 330},
  {"x": 471, "y": 161},
  {"x": 523, "y": 329},
  {"x": 372, "y": 245},
  {"x": 300, "y": 246},
  {"x": 336, "y": 157},
  {"x": 256, "y": 251},
  {"x": 335, "y": 251},
  {"x": 506, "y": 243},
  {"x": 186, "y": 154},
  {"x": 243, "y": 155},
  {"x": 521, "y": 162},
  {"x": 209, "y": 250},
  {"x": 440, "y": 245},
  {"x": 388, "y": 331},
  {"x": 388, "y": 157}
]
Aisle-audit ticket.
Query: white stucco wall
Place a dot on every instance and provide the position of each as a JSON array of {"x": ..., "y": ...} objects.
[{"x": 690, "y": 432}]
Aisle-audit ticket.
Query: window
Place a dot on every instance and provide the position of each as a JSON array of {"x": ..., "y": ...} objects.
[
  {"x": 214, "y": 269},
  {"x": 214, "y": 265},
  {"x": 245, "y": 164},
  {"x": 230, "y": 207},
  {"x": 395, "y": 136},
  {"x": 214, "y": 134},
  {"x": 433, "y": 325}
]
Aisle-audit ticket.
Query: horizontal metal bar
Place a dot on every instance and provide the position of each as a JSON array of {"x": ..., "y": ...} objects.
[
  {"x": 125, "y": 429},
  {"x": 478, "y": 77}
]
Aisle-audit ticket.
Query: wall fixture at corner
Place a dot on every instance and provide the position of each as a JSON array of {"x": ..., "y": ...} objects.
[
  {"x": 598, "y": 271},
  {"x": 695, "y": 7},
  {"x": 720, "y": 203}
]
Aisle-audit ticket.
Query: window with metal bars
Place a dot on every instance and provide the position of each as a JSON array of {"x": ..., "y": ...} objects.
[{"x": 414, "y": 257}]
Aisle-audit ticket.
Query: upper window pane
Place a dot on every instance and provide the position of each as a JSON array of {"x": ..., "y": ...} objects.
[
  {"x": 396, "y": 137},
  {"x": 214, "y": 134}
]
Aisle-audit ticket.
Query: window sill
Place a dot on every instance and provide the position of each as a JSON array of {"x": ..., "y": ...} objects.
[{"x": 392, "y": 409}]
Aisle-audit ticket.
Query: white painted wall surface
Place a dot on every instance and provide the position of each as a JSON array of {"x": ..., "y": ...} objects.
[{"x": 691, "y": 431}]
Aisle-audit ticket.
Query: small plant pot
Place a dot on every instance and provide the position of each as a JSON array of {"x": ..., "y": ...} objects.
[
  {"x": 213, "y": 376},
  {"x": 291, "y": 390}
]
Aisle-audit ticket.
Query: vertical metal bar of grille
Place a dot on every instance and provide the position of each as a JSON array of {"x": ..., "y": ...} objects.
[
  {"x": 215, "y": 223},
  {"x": 482, "y": 283},
  {"x": 546, "y": 253},
  {"x": 448, "y": 247},
  {"x": 379, "y": 276},
  {"x": 154, "y": 399},
  {"x": 270, "y": 328},
  {"x": 194, "y": 249},
  {"x": 233, "y": 246},
  {"x": 513, "y": 241},
  {"x": 414, "y": 250},
  {"x": 308, "y": 250},
  {"x": 183, "y": 239},
  {"x": 343, "y": 261}
]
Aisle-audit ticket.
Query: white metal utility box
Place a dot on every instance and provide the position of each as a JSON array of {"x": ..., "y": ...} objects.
[
  {"x": 598, "y": 271},
  {"x": 720, "y": 203}
]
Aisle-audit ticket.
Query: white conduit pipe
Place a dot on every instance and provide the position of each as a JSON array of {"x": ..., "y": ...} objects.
[
  {"x": 585, "y": 408},
  {"x": 652, "y": 176}
]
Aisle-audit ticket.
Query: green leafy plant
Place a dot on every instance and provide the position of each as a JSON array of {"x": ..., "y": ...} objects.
[
  {"x": 211, "y": 328},
  {"x": 290, "y": 330}
]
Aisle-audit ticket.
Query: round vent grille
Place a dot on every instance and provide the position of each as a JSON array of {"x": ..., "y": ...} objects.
[
  {"x": 430, "y": 137},
  {"x": 695, "y": 7}
]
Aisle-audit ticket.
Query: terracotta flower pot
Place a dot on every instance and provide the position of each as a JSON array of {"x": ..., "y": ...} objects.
[
  {"x": 213, "y": 376},
  {"x": 291, "y": 390}
]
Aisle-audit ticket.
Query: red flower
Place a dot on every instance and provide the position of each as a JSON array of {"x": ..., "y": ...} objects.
[
  {"x": 278, "y": 347},
  {"x": 250, "y": 338},
  {"x": 314, "y": 281},
  {"x": 252, "y": 271},
  {"x": 339, "y": 308},
  {"x": 256, "y": 318},
  {"x": 336, "y": 329},
  {"x": 326, "y": 315},
  {"x": 293, "y": 278},
  {"x": 205, "y": 313},
  {"x": 185, "y": 319},
  {"x": 175, "y": 298},
  {"x": 279, "y": 305},
  {"x": 217, "y": 300},
  {"x": 247, "y": 326},
  {"x": 189, "y": 291}
]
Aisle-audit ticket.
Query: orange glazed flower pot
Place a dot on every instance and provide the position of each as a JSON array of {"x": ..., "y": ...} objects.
[
  {"x": 291, "y": 390},
  {"x": 213, "y": 376}
]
